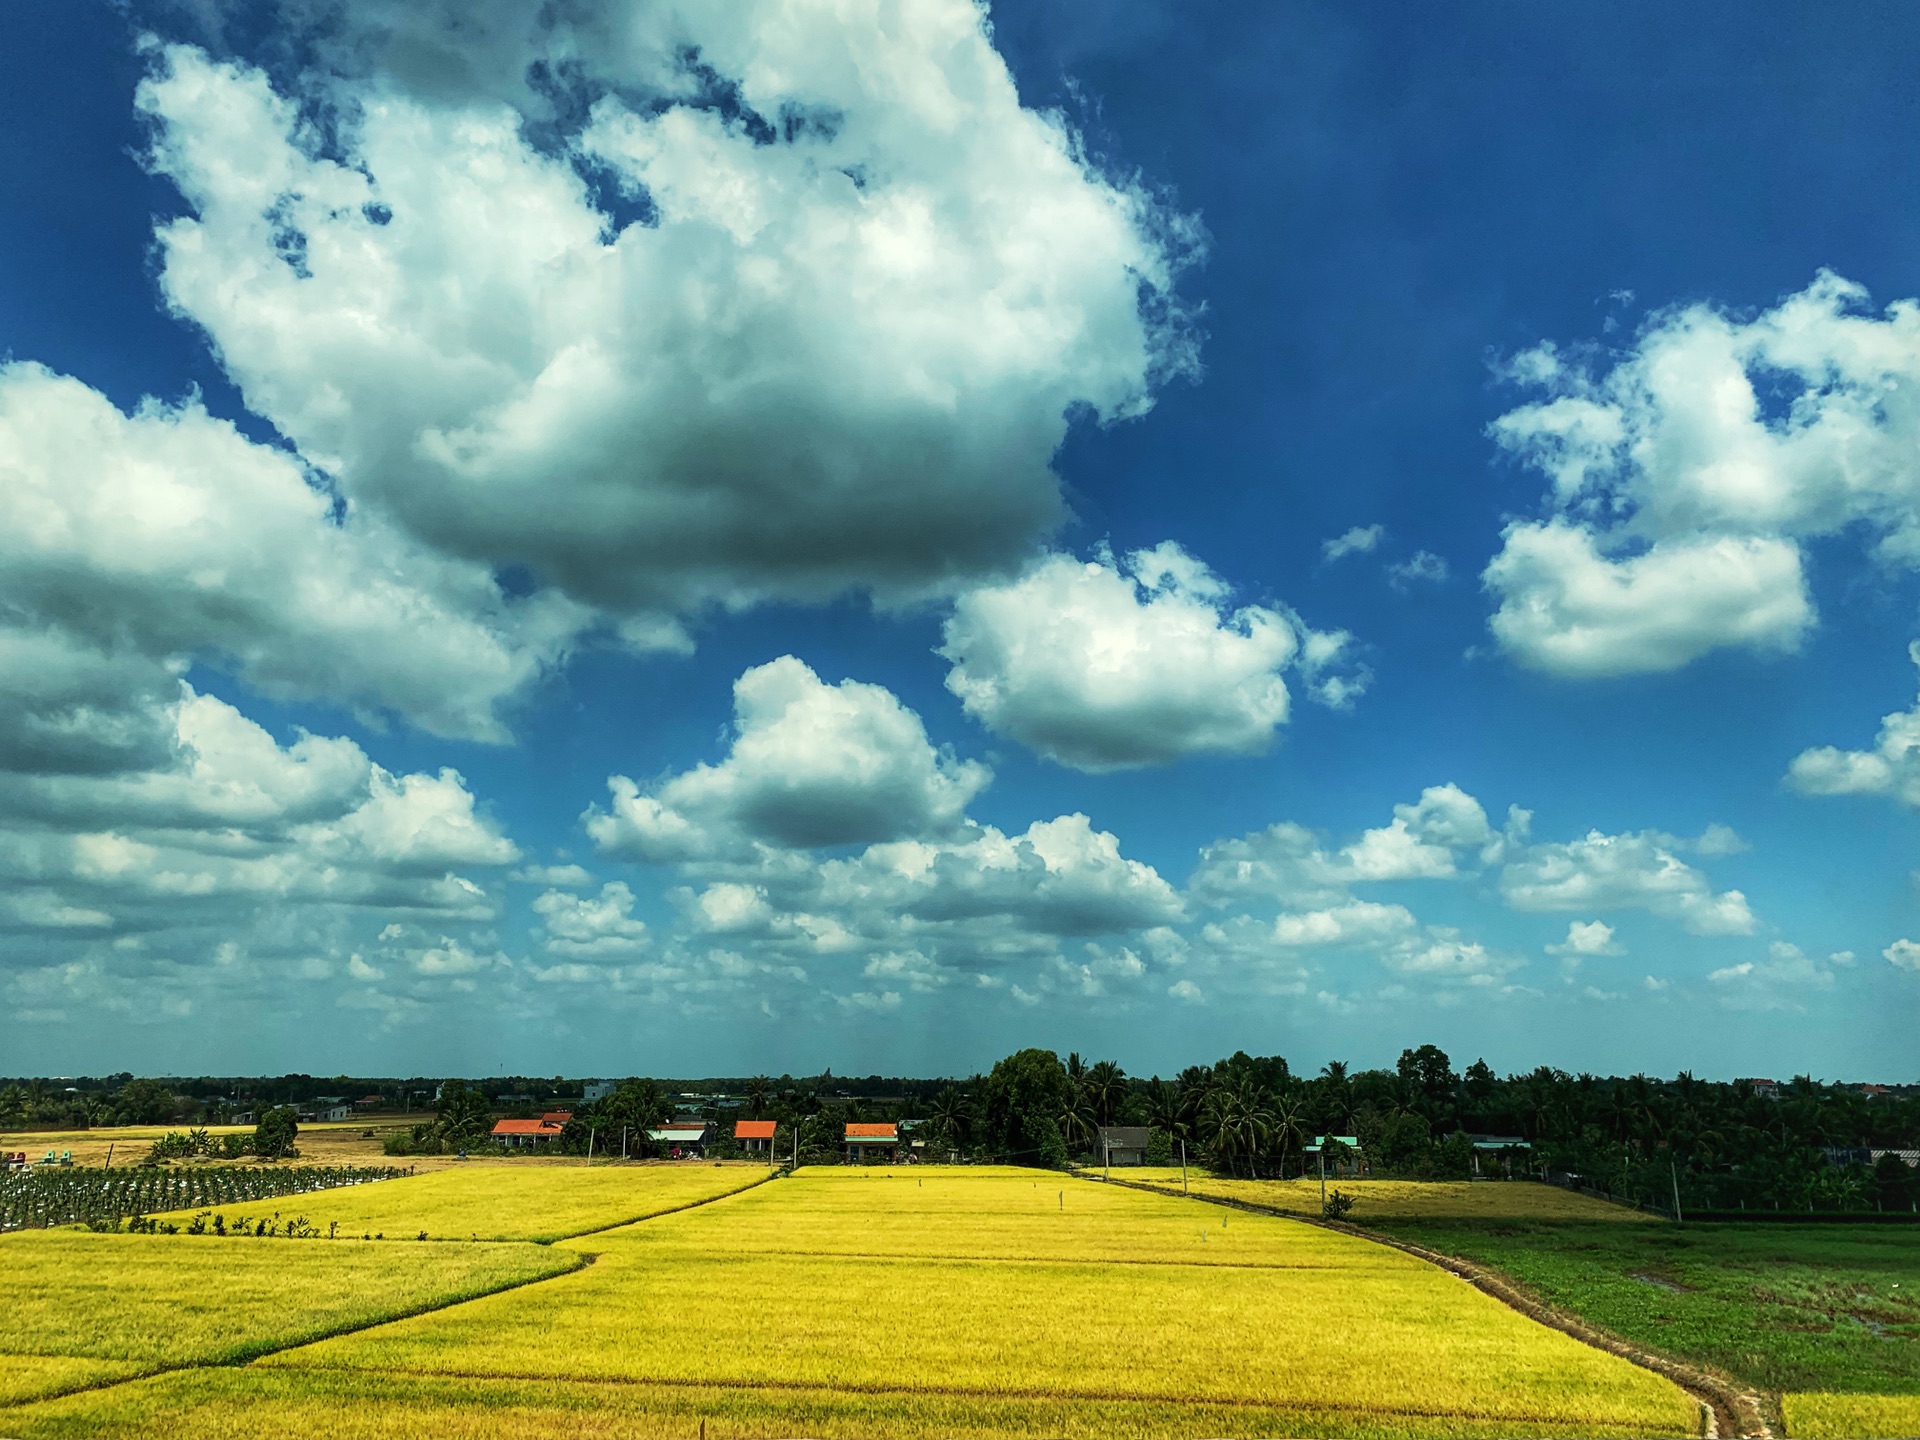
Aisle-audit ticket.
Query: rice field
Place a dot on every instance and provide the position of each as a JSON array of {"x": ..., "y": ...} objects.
[
  {"x": 82, "y": 1308},
  {"x": 500, "y": 1202},
  {"x": 1382, "y": 1201},
  {"x": 1820, "y": 1415},
  {"x": 913, "y": 1303}
]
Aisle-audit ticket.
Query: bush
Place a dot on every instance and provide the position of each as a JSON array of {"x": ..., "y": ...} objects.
[
  {"x": 1159, "y": 1148},
  {"x": 1337, "y": 1206}
]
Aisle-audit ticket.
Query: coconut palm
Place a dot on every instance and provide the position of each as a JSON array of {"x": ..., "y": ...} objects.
[{"x": 1106, "y": 1087}]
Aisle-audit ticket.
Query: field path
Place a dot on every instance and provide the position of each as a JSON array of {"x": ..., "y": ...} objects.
[{"x": 1735, "y": 1412}]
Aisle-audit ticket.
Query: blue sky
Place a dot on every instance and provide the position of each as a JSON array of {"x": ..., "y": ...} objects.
[{"x": 808, "y": 541}]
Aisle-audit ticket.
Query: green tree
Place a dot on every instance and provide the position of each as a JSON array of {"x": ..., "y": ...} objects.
[
  {"x": 1893, "y": 1183},
  {"x": 1025, "y": 1088},
  {"x": 462, "y": 1113},
  {"x": 273, "y": 1136},
  {"x": 141, "y": 1102},
  {"x": 1106, "y": 1090}
]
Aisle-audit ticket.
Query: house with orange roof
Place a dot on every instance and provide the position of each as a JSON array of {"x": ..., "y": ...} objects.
[
  {"x": 529, "y": 1134},
  {"x": 869, "y": 1142},
  {"x": 754, "y": 1136}
]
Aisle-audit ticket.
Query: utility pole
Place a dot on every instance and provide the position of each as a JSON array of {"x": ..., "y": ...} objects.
[
  {"x": 1183, "y": 1165},
  {"x": 623, "y": 1142},
  {"x": 1323, "y": 1173},
  {"x": 1674, "y": 1171}
]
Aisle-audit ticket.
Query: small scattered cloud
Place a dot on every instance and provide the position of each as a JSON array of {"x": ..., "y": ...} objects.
[
  {"x": 1424, "y": 568},
  {"x": 1360, "y": 540},
  {"x": 1587, "y": 938}
]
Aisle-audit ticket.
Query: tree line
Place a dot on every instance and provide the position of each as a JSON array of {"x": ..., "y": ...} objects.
[{"x": 1718, "y": 1145}]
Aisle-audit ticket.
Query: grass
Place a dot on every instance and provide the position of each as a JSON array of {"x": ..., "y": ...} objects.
[
  {"x": 503, "y": 1202},
  {"x": 859, "y": 1303},
  {"x": 81, "y": 1308}
]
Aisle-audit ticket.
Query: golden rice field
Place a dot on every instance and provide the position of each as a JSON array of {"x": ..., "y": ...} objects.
[
  {"x": 1851, "y": 1417},
  {"x": 81, "y": 1308},
  {"x": 1384, "y": 1200},
  {"x": 935, "y": 1302},
  {"x": 330, "y": 1142},
  {"x": 492, "y": 1202}
]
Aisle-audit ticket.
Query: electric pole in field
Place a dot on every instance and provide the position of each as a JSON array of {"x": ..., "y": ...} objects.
[{"x": 1183, "y": 1166}]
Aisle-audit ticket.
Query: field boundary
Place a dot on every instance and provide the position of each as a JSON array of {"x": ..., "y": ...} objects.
[
  {"x": 945, "y": 1392},
  {"x": 235, "y": 1360},
  {"x": 241, "y": 1361},
  {"x": 659, "y": 1214},
  {"x": 1732, "y": 1411}
]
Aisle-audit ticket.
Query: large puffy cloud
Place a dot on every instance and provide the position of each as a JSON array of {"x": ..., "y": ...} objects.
[
  {"x": 1891, "y": 767},
  {"x": 1630, "y": 871},
  {"x": 1568, "y": 608},
  {"x": 1113, "y": 663},
  {"x": 811, "y": 764},
  {"x": 1685, "y": 478},
  {"x": 831, "y": 339},
  {"x": 131, "y": 545}
]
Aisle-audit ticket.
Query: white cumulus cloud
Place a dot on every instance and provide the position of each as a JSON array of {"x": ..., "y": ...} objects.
[
  {"x": 811, "y": 764},
  {"x": 1891, "y": 767},
  {"x": 1113, "y": 663},
  {"x": 1628, "y": 871},
  {"x": 825, "y": 339},
  {"x": 1687, "y": 476}
]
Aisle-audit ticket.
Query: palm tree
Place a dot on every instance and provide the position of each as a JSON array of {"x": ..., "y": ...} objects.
[
  {"x": 1077, "y": 1118},
  {"x": 1163, "y": 1107},
  {"x": 1288, "y": 1116},
  {"x": 759, "y": 1089},
  {"x": 1106, "y": 1087},
  {"x": 1238, "y": 1122},
  {"x": 950, "y": 1115}
]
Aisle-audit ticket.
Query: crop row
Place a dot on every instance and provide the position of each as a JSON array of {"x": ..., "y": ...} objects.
[{"x": 103, "y": 1198}]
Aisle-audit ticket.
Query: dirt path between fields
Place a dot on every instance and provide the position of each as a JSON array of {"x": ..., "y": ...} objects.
[{"x": 1733, "y": 1411}]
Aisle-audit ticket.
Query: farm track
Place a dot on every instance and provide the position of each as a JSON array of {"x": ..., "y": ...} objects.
[
  {"x": 1732, "y": 1411},
  {"x": 587, "y": 1258}
]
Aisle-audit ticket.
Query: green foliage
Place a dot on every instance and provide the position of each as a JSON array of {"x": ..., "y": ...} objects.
[
  {"x": 1453, "y": 1158},
  {"x": 273, "y": 1136},
  {"x": 1042, "y": 1140},
  {"x": 462, "y": 1112},
  {"x": 1159, "y": 1147},
  {"x": 103, "y": 1198},
  {"x": 1337, "y": 1206},
  {"x": 1024, "y": 1089}
]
